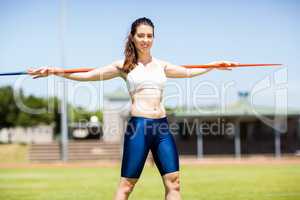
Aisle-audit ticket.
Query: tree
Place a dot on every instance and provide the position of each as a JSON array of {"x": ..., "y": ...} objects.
[
  {"x": 12, "y": 116},
  {"x": 8, "y": 108}
]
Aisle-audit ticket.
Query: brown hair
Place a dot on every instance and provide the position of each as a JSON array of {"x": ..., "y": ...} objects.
[{"x": 131, "y": 56}]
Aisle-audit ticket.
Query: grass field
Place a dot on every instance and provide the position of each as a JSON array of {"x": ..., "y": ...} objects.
[{"x": 218, "y": 182}]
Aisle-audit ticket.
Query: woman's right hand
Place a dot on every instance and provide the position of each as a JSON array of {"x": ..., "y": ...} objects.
[{"x": 44, "y": 71}]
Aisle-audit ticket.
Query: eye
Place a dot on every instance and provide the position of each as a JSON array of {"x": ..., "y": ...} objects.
[
  {"x": 140, "y": 35},
  {"x": 150, "y": 36}
]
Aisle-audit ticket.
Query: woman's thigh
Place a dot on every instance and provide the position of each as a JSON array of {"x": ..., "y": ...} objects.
[
  {"x": 165, "y": 154},
  {"x": 135, "y": 151}
]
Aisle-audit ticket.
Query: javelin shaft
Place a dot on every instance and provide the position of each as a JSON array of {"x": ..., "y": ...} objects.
[
  {"x": 234, "y": 66},
  {"x": 76, "y": 70},
  {"x": 13, "y": 73}
]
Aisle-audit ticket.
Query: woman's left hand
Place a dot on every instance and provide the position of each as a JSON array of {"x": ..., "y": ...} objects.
[{"x": 223, "y": 65}]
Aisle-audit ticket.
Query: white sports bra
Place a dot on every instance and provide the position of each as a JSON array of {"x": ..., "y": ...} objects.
[{"x": 143, "y": 76}]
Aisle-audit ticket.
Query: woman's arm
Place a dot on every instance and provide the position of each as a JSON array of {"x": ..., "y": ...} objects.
[
  {"x": 175, "y": 71},
  {"x": 104, "y": 73}
]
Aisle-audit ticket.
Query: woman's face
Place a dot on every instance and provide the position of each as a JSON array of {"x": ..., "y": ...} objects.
[{"x": 143, "y": 38}]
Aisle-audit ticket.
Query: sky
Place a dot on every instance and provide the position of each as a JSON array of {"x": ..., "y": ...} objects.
[{"x": 92, "y": 33}]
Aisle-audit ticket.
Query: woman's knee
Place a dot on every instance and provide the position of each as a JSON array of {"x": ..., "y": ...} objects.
[
  {"x": 172, "y": 182},
  {"x": 126, "y": 185}
]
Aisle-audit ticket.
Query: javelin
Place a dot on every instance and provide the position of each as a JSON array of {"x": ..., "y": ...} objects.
[
  {"x": 76, "y": 70},
  {"x": 234, "y": 66}
]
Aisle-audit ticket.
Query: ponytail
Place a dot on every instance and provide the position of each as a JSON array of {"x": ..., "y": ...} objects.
[{"x": 131, "y": 56}]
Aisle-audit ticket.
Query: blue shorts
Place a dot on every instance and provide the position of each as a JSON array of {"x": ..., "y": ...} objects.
[{"x": 144, "y": 134}]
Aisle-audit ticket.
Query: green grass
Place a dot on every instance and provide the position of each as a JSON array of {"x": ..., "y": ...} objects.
[{"x": 209, "y": 182}]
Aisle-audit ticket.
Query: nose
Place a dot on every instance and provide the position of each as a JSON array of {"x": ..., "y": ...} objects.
[{"x": 146, "y": 39}]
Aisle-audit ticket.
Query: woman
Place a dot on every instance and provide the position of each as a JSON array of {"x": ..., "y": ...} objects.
[{"x": 147, "y": 128}]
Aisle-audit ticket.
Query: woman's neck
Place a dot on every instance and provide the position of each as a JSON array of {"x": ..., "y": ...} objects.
[{"x": 144, "y": 58}]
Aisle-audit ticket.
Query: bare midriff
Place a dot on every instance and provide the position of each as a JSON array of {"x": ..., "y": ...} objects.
[{"x": 148, "y": 103}]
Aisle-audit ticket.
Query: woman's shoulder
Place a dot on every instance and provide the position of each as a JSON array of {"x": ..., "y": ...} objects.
[
  {"x": 161, "y": 62},
  {"x": 118, "y": 63}
]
